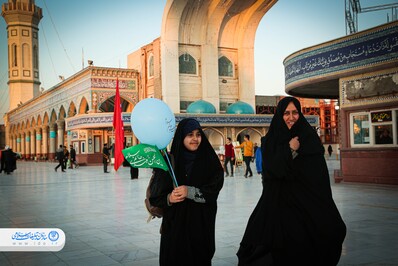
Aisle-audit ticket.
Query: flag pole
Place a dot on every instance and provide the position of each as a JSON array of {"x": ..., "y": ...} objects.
[{"x": 171, "y": 169}]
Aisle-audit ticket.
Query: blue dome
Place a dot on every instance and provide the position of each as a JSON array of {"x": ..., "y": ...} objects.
[
  {"x": 240, "y": 108},
  {"x": 201, "y": 107}
]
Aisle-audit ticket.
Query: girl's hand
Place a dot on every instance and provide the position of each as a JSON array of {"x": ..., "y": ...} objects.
[{"x": 178, "y": 194}]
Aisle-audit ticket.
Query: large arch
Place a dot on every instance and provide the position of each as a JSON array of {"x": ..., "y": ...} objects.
[{"x": 210, "y": 24}]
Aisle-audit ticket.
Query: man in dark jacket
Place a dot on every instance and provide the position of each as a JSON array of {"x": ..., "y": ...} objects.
[
  {"x": 72, "y": 156},
  {"x": 106, "y": 157},
  {"x": 60, "y": 158}
]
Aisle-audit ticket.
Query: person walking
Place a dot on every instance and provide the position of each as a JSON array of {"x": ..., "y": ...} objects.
[
  {"x": 10, "y": 160},
  {"x": 189, "y": 210},
  {"x": 229, "y": 157},
  {"x": 330, "y": 150},
  {"x": 72, "y": 156},
  {"x": 66, "y": 157},
  {"x": 259, "y": 161},
  {"x": 106, "y": 157},
  {"x": 133, "y": 172},
  {"x": 295, "y": 221},
  {"x": 60, "y": 158},
  {"x": 247, "y": 146}
]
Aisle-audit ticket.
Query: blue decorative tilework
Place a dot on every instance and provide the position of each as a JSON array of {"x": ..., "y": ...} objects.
[
  {"x": 368, "y": 49},
  {"x": 206, "y": 120}
]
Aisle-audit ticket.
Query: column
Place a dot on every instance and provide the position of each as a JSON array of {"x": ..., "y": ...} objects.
[
  {"x": 32, "y": 144},
  {"x": 27, "y": 144},
  {"x": 233, "y": 134},
  {"x": 44, "y": 141},
  {"x": 14, "y": 142},
  {"x": 60, "y": 133},
  {"x": 18, "y": 147},
  {"x": 23, "y": 144},
  {"x": 53, "y": 135},
  {"x": 38, "y": 142}
]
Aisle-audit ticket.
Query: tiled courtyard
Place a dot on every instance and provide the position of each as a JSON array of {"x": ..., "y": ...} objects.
[{"x": 105, "y": 221}]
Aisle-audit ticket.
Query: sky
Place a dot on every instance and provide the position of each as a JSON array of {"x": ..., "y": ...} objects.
[{"x": 74, "y": 31}]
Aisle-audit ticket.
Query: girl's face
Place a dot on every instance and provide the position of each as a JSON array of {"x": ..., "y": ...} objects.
[
  {"x": 193, "y": 140},
  {"x": 291, "y": 115}
]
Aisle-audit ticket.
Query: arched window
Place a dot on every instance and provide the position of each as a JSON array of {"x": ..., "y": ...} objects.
[
  {"x": 25, "y": 55},
  {"x": 150, "y": 67},
  {"x": 187, "y": 64},
  {"x": 14, "y": 55},
  {"x": 225, "y": 67},
  {"x": 35, "y": 57}
]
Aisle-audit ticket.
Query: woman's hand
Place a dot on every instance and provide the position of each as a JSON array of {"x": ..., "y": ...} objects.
[
  {"x": 294, "y": 144},
  {"x": 178, "y": 194}
]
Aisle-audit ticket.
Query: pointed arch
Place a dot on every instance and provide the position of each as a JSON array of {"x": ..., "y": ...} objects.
[
  {"x": 33, "y": 122},
  {"x": 61, "y": 113},
  {"x": 108, "y": 105},
  {"x": 53, "y": 117},
  {"x": 215, "y": 137},
  {"x": 45, "y": 119},
  {"x": 39, "y": 121},
  {"x": 71, "y": 110},
  {"x": 83, "y": 106},
  {"x": 225, "y": 67},
  {"x": 187, "y": 64}
]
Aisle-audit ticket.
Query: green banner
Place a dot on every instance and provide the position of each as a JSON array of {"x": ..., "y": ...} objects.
[{"x": 145, "y": 156}]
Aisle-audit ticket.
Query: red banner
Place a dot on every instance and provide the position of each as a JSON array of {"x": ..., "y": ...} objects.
[{"x": 119, "y": 130}]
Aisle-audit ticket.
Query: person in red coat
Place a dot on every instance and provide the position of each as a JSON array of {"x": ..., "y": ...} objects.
[{"x": 229, "y": 157}]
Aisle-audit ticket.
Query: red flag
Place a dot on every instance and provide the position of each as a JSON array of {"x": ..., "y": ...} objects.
[{"x": 119, "y": 130}]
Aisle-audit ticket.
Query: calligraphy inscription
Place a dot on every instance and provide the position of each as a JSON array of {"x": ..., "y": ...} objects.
[
  {"x": 369, "y": 49},
  {"x": 145, "y": 157},
  {"x": 381, "y": 116}
]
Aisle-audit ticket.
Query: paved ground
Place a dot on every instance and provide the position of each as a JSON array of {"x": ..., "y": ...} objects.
[{"x": 104, "y": 218}]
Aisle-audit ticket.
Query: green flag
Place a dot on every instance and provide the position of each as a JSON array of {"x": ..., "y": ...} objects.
[{"x": 145, "y": 156}]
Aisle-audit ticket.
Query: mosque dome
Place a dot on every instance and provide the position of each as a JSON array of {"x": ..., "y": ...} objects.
[
  {"x": 201, "y": 107},
  {"x": 240, "y": 108}
]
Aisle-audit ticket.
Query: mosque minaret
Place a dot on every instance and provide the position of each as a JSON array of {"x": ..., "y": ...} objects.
[{"x": 22, "y": 18}]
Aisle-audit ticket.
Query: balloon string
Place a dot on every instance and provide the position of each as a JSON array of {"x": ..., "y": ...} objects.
[{"x": 171, "y": 168}]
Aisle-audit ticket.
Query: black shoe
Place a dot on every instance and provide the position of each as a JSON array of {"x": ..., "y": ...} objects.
[
  {"x": 232, "y": 175},
  {"x": 250, "y": 175},
  {"x": 245, "y": 176},
  {"x": 106, "y": 172},
  {"x": 226, "y": 175},
  {"x": 55, "y": 169},
  {"x": 64, "y": 171}
]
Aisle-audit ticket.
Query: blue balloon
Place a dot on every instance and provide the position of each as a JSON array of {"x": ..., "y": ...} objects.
[{"x": 153, "y": 122}]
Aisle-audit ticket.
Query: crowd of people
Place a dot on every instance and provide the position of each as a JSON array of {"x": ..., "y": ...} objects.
[
  {"x": 295, "y": 221},
  {"x": 65, "y": 158}
]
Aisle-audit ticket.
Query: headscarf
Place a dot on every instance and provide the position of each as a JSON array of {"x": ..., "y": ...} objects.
[
  {"x": 279, "y": 134},
  {"x": 182, "y": 156}
]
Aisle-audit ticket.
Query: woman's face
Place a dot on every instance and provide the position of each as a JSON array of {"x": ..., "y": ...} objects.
[
  {"x": 291, "y": 115},
  {"x": 193, "y": 140}
]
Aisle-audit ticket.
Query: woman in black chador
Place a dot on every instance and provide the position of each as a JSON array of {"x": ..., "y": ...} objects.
[
  {"x": 296, "y": 221},
  {"x": 189, "y": 210}
]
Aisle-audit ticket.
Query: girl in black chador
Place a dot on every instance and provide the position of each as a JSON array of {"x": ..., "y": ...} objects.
[
  {"x": 189, "y": 210},
  {"x": 296, "y": 221}
]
